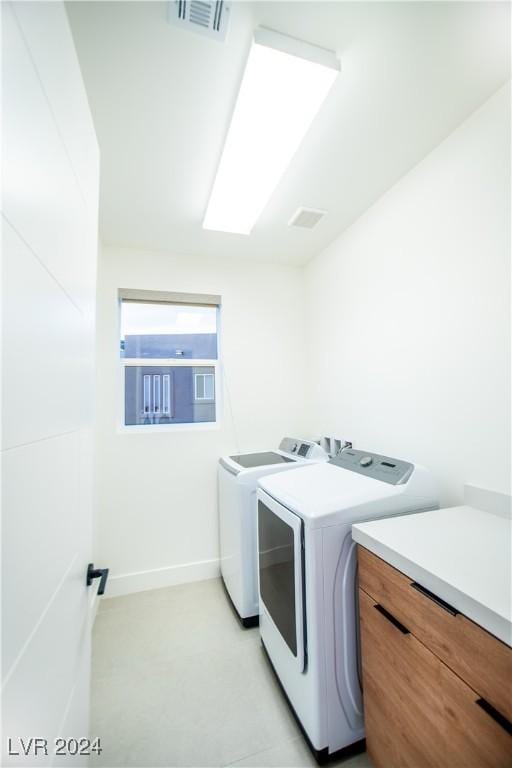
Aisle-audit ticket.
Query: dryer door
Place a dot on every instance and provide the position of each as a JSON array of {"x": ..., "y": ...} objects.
[{"x": 281, "y": 573}]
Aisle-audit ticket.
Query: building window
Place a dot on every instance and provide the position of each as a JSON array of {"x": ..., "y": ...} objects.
[
  {"x": 169, "y": 356},
  {"x": 205, "y": 386}
]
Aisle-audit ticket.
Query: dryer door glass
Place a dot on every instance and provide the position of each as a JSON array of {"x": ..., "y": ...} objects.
[{"x": 279, "y": 572}]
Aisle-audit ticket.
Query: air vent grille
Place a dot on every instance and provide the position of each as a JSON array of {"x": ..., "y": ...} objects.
[
  {"x": 307, "y": 218},
  {"x": 207, "y": 18}
]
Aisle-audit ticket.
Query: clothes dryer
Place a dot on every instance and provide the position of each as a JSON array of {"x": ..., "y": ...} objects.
[{"x": 307, "y": 582}]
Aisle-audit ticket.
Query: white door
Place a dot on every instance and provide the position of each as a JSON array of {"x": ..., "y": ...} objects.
[{"x": 49, "y": 231}]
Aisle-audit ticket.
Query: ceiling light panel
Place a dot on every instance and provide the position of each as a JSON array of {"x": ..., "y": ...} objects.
[{"x": 284, "y": 85}]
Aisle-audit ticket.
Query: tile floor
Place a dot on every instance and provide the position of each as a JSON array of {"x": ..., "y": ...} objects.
[{"x": 177, "y": 682}]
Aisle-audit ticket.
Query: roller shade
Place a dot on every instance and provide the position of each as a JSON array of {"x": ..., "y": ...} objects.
[{"x": 169, "y": 297}]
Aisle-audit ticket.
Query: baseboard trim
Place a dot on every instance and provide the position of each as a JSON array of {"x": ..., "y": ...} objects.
[{"x": 128, "y": 583}]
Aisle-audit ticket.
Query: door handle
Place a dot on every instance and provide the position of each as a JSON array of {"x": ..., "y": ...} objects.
[{"x": 97, "y": 573}]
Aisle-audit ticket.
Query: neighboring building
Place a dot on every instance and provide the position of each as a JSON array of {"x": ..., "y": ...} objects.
[
  {"x": 198, "y": 346},
  {"x": 170, "y": 394}
]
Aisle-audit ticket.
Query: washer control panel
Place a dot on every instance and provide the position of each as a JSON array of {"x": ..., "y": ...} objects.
[
  {"x": 385, "y": 468},
  {"x": 306, "y": 449}
]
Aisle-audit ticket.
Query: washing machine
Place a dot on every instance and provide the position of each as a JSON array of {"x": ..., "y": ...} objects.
[
  {"x": 238, "y": 480},
  {"x": 307, "y": 582}
]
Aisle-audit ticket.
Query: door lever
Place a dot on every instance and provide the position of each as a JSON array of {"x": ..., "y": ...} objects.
[{"x": 97, "y": 573}]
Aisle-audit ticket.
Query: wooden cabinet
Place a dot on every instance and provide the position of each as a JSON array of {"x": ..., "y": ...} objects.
[
  {"x": 479, "y": 658},
  {"x": 437, "y": 687}
]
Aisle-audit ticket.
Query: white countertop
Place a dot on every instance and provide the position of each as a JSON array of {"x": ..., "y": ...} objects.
[{"x": 462, "y": 554}]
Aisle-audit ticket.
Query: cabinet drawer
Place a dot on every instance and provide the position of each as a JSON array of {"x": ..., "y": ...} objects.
[
  {"x": 418, "y": 713},
  {"x": 483, "y": 661}
]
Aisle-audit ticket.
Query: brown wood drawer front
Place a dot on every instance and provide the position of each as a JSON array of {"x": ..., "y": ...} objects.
[
  {"x": 418, "y": 713},
  {"x": 479, "y": 658}
]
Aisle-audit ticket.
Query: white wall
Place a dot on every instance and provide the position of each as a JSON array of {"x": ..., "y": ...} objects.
[
  {"x": 158, "y": 506},
  {"x": 401, "y": 327},
  {"x": 49, "y": 249},
  {"x": 409, "y": 344}
]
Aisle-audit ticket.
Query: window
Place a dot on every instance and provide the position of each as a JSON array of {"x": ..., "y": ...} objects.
[
  {"x": 205, "y": 386},
  {"x": 169, "y": 356}
]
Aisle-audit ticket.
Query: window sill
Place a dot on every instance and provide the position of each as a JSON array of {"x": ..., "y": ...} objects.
[{"x": 143, "y": 429}]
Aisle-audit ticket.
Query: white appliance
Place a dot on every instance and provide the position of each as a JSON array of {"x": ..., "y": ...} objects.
[
  {"x": 307, "y": 582},
  {"x": 238, "y": 482}
]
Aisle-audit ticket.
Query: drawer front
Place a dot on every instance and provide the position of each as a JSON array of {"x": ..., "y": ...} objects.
[
  {"x": 483, "y": 661},
  {"x": 418, "y": 713}
]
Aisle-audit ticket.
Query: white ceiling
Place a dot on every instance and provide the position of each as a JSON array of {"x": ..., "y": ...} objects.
[{"x": 162, "y": 98}]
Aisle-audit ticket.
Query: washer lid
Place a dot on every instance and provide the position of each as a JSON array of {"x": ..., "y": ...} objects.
[{"x": 249, "y": 460}]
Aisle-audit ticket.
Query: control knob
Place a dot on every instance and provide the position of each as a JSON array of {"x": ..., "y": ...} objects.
[{"x": 366, "y": 461}]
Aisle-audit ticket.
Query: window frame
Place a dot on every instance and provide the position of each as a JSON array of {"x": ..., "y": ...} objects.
[
  {"x": 204, "y": 399},
  {"x": 126, "y": 362}
]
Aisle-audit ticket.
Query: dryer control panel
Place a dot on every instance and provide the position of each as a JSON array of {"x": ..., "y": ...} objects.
[{"x": 385, "y": 468}]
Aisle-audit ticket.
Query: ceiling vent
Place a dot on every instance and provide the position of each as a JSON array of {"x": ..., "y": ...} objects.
[
  {"x": 306, "y": 217},
  {"x": 207, "y": 18}
]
